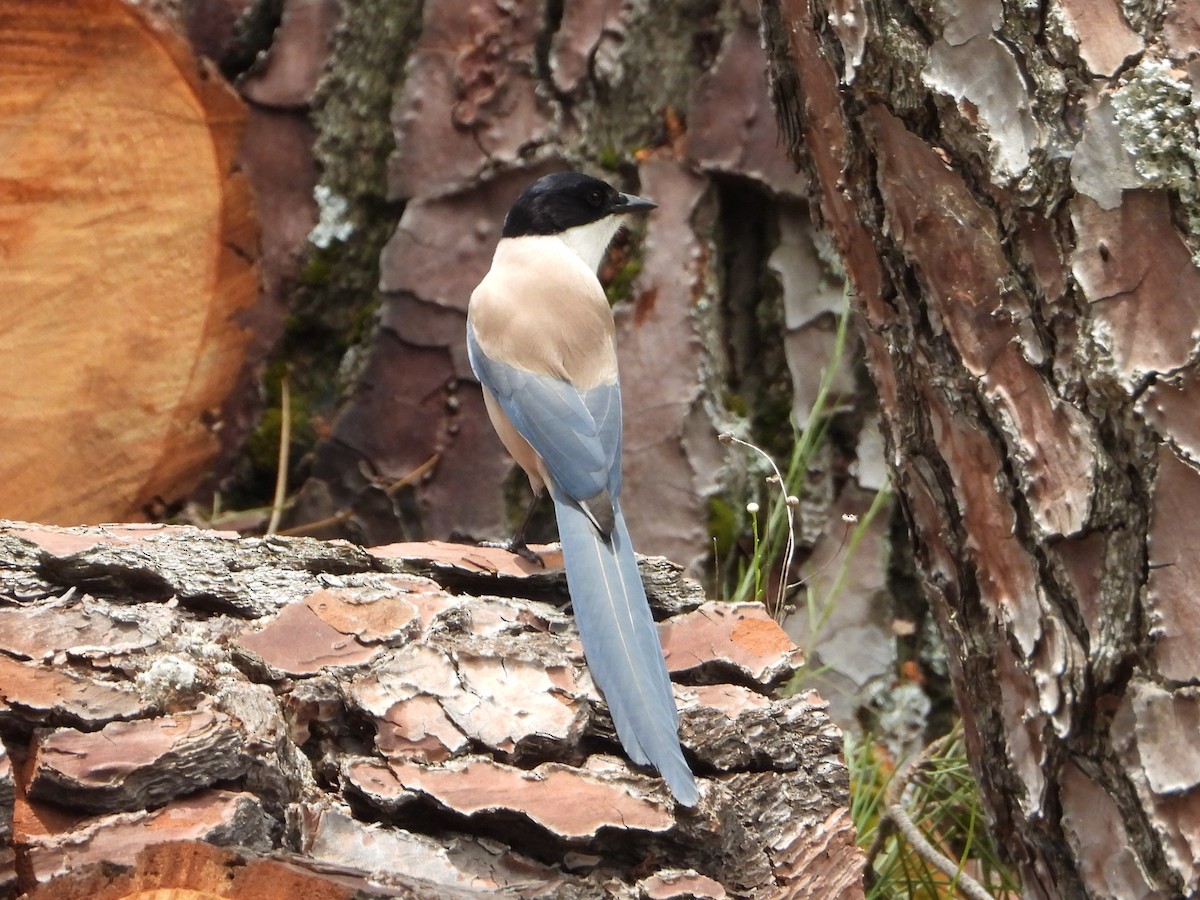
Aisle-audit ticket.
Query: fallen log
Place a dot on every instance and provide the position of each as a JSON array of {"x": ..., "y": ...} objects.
[{"x": 412, "y": 720}]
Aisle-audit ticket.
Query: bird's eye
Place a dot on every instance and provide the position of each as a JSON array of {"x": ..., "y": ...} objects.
[{"x": 596, "y": 198}]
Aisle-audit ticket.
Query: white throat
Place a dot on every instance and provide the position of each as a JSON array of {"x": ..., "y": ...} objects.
[{"x": 590, "y": 241}]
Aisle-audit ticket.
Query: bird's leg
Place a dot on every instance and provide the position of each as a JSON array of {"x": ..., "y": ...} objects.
[{"x": 516, "y": 544}]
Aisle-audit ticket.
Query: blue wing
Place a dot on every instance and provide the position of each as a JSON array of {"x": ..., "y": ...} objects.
[{"x": 576, "y": 433}]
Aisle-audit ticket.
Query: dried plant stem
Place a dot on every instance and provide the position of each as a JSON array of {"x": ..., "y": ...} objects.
[
  {"x": 897, "y": 816},
  {"x": 344, "y": 514},
  {"x": 285, "y": 442},
  {"x": 969, "y": 887},
  {"x": 789, "y": 546}
]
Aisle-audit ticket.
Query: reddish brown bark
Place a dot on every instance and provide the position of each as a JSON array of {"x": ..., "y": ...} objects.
[
  {"x": 1022, "y": 243},
  {"x": 388, "y": 715}
]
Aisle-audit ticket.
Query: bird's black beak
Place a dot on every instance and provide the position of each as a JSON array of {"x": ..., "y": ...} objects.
[{"x": 628, "y": 203}]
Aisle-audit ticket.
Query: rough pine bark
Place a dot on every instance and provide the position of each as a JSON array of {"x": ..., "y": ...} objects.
[
  {"x": 409, "y": 720},
  {"x": 1012, "y": 188}
]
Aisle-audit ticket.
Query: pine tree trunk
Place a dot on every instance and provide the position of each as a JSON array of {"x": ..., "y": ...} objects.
[{"x": 1012, "y": 189}]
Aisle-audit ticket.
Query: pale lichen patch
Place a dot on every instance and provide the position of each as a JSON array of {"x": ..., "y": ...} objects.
[
  {"x": 850, "y": 21},
  {"x": 1101, "y": 167},
  {"x": 983, "y": 78},
  {"x": 965, "y": 19},
  {"x": 1160, "y": 127}
]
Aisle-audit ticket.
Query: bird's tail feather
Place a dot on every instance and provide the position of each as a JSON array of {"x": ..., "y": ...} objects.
[{"x": 621, "y": 644}]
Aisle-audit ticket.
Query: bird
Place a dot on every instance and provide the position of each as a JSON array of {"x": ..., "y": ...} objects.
[{"x": 542, "y": 341}]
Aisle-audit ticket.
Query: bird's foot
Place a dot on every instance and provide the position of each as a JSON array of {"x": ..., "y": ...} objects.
[{"x": 520, "y": 548}]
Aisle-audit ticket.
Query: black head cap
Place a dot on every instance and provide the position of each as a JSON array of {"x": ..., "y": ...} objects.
[{"x": 554, "y": 203}]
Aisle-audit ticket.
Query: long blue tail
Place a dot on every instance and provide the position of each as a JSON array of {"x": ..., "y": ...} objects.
[{"x": 621, "y": 643}]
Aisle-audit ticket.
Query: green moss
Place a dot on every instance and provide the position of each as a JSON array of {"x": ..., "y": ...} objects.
[
  {"x": 318, "y": 269},
  {"x": 254, "y": 484},
  {"x": 609, "y": 158},
  {"x": 735, "y": 404},
  {"x": 765, "y": 381},
  {"x": 620, "y": 286},
  {"x": 332, "y": 306},
  {"x": 352, "y": 111},
  {"x": 725, "y": 526},
  {"x": 352, "y": 107},
  {"x": 773, "y": 418},
  {"x": 262, "y": 449},
  {"x": 361, "y": 325},
  {"x": 682, "y": 38}
]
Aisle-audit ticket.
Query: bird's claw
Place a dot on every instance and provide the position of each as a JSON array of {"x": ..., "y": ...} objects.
[{"x": 519, "y": 548}]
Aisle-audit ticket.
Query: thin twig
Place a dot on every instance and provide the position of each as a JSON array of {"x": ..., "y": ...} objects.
[
  {"x": 412, "y": 476},
  {"x": 281, "y": 465},
  {"x": 717, "y": 568},
  {"x": 850, "y": 522},
  {"x": 852, "y": 534},
  {"x": 965, "y": 883},
  {"x": 897, "y": 815},
  {"x": 899, "y": 782},
  {"x": 345, "y": 513}
]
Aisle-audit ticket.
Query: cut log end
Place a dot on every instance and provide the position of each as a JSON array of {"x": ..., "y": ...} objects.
[{"x": 127, "y": 242}]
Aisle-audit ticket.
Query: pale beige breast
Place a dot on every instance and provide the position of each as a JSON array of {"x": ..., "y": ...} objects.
[{"x": 540, "y": 308}]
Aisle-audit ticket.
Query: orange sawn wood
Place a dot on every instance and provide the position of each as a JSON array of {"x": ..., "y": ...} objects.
[{"x": 126, "y": 242}]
